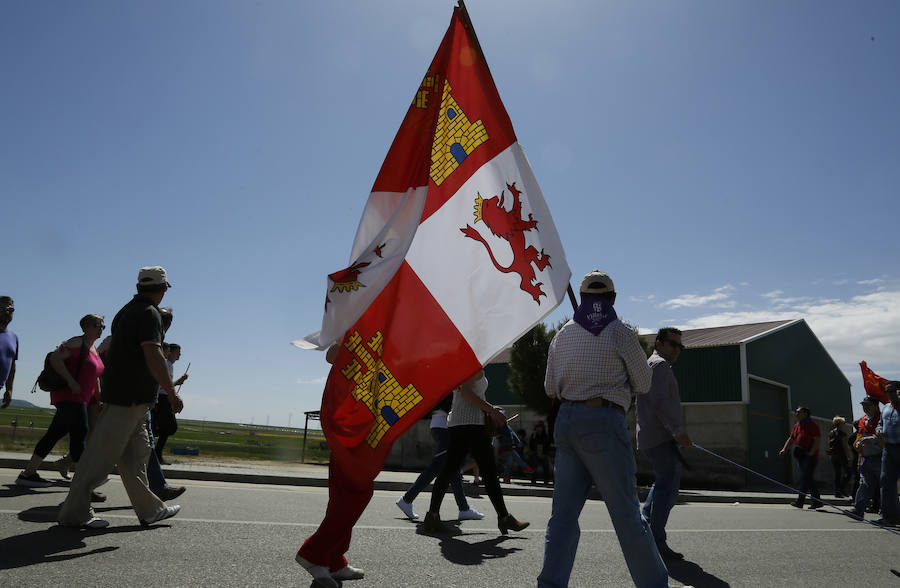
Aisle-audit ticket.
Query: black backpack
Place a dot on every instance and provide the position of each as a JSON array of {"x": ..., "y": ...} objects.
[{"x": 49, "y": 380}]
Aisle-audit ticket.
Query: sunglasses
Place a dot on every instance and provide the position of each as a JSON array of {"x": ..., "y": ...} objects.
[
  {"x": 100, "y": 326},
  {"x": 9, "y": 309},
  {"x": 676, "y": 345}
]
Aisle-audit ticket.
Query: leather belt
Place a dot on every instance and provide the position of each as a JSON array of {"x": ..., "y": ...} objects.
[{"x": 599, "y": 401}]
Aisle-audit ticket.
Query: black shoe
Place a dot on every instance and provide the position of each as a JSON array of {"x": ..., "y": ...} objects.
[
  {"x": 816, "y": 505},
  {"x": 873, "y": 510},
  {"x": 667, "y": 552},
  {"x": 433, "y": 523},
  {"x": 97, "y": 496},
  {"x": 796, "y": 504},
  {"x": 170, "y": 492},
  {"x": 887, "y": 523}
]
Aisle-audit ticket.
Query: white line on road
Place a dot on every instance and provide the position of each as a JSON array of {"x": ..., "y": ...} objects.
[{"x": 473, "y": 530}]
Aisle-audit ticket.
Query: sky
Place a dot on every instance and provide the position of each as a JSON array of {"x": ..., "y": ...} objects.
[{"x": 724, "y": 162}]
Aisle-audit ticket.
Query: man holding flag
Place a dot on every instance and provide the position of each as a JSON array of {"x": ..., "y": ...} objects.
[{"x": 456, "y": 256}]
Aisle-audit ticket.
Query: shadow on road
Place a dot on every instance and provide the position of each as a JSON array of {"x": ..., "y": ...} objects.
[
  {"x": 10, "y": 490},
  {"x": 465, "y": 553},
  {"x": 50, "y": 546},
  {"x": 689, "y": 573}
]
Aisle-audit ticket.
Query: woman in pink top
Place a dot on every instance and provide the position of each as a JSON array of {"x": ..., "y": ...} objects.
[{"x": 78, "y": 362}]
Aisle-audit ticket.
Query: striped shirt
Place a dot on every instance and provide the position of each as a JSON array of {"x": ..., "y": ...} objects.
[
  {"x": 463, "y": 411},
  {"x": 611, "y": 365}
]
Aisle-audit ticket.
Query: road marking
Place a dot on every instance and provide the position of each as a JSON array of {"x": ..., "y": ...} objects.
[{"x": 470, "y": 530}]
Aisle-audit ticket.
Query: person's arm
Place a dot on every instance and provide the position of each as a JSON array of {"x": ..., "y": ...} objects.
[
  {"x": 58, "y": 363},
  {"x": 631, "y": 352},
  {"x": 7, "y": 393},
  {"x": 180, "y": 380},
  {"x": 550, "y": 387},
  {"x": 466, "y": 392},
  {"x": 156, "y": 363},
  {"x": 787, "y": 444}
]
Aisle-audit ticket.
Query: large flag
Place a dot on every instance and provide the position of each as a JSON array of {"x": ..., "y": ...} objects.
[
  {"x": 456, "y": 256},
  {"x": 874, "y": 384}
]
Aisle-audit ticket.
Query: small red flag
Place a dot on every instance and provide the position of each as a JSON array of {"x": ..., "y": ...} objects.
[{"x": 874, "y": 383}]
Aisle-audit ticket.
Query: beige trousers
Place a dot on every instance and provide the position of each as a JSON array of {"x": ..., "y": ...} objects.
[{"x": 119, "y": 438}]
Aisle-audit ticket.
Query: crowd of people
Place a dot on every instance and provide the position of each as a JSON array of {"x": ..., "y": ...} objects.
[
  {"x": 596, "y": 370},
  {"x": 109, "y": 403}
]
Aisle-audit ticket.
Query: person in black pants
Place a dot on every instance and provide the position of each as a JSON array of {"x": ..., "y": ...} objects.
[
  {"x": 468, "y": 434},
  {"x": 163, "y": 415}
]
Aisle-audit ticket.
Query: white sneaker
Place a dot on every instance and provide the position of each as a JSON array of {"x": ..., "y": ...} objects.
[
  {"x": 348, "y": 572},
  {"x": 321, "y": 575},
  {"x": 407, "y": 509},
  {"x": 167, "y": 513},
  {"x": 470, "y": 515}
]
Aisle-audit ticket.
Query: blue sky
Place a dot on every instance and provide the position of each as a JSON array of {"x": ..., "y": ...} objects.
[{"x": 724, "y": 162}]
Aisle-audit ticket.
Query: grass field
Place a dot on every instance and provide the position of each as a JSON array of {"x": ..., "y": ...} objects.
[{"x": 212, "y": 439}]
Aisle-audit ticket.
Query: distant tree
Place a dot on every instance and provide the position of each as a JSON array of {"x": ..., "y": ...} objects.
[{"x": 528, "y": 364}]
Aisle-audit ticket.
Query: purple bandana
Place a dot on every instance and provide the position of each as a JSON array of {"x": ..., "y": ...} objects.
[{"x": 594, "y": 313}]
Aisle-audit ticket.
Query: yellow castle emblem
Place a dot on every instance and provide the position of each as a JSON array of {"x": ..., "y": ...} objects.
[
  {"x": 454, "y": 138},
  {"x": 376, "y": 386}
]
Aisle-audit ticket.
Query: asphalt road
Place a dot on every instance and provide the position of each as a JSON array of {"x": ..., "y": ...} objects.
[{"x": 230, "y": 534}]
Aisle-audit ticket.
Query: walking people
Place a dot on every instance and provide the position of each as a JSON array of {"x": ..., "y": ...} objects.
[
  {"x": 595, "y": 366},
  {"x": 541, "y": 445},
  {"x": 508, "y": 444},
  {"x": 441, "y": 437},
  {"x": 136, "y": 369},
  {"x": 660, "y": 432},
  {"x": 839, "y": 451},
  {"x": 888, "y": 430},
  {"x": 869, "y": 448},
  {"x": 9, "y": 349},
  {"x": 467, "y": 433},
  {"x": 79, "y": 364},
  {"x": 804, "y": 438}
]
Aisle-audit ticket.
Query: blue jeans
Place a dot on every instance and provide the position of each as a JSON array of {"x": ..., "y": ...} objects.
[
  {"x": 890, "y": 471},
  {"x": 808, "y": 485},
  {"x": 593, "y": 447},
  {"x": 512, "y": 456},
  {"x": 664, "y": 493},
  {"x": 869, "y": 473},
  {"x": 441, "y": 444},
  {"x": 155, "y": 477}
]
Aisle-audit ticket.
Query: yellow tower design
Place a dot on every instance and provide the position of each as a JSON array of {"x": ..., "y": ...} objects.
[
  {"x": 454, "y": 138},
  {"x": 376, "y": 386}
]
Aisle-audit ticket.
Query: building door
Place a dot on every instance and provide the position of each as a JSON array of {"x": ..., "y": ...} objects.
[{"x": 767, "y": 427}]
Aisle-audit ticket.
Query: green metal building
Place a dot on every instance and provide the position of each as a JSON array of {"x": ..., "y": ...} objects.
[{"x": 765, "y": 370}]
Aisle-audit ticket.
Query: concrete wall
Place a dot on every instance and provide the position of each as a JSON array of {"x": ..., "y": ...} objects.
[{"x": 718, "y": 427}]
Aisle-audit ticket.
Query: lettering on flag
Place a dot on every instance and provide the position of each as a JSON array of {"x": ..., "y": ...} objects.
[{"x": 426, "y": 88}]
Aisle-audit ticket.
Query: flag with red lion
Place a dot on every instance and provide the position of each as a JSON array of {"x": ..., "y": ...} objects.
[{"x": 456, "y": 256}]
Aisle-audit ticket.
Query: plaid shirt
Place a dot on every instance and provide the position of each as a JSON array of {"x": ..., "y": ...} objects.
[{"x": 611, "y": 365}]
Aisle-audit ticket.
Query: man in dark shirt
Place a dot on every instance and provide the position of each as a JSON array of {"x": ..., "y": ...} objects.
[
  {"x": 9, "y": 349},
  {"x": 136, "y": 369}
]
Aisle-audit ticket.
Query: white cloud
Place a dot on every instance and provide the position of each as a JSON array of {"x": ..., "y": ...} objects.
[
  {"x": 720, "y": 298},
  {"x": 871, "y": 282},
  {"x": 840, "y": 282},
  {"x": 313, "y": 381}
]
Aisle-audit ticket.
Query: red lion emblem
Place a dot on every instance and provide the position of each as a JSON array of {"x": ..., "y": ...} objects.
[{"x": 511, "y": 227}]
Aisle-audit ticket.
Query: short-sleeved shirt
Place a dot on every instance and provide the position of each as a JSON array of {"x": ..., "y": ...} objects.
[
  {"x": 9, "y": 352},
  {"x": 464, "y": 412},
  {"x": 127, "y": 379},
  {"x": 91, "y": 369},
  {"x": 890, "y": 424},
  {"x": 803, "y": 434}
]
